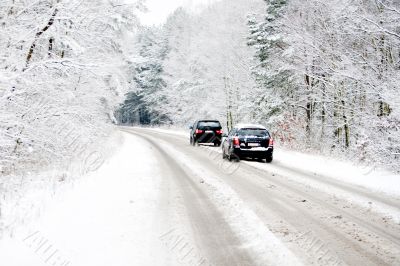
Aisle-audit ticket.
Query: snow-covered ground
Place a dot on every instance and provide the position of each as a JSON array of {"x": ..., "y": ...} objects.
[
  {"x": 107, "y": 218},
  {"x": 327, "y": 174},
  {"x": 367, "y": 176},
  {"x": 265, "y": 246},
  {"x": 113, "y": 216},
  {"x": 319, "y": 171},
  {"x": 173, "y": 130},
  {"x": 330, "y": 189},
  {"x": 152, "y": 203}
]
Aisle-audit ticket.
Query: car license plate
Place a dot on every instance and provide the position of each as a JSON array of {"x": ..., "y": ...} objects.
[
  {"x": 209, "y": 131},
  {"x": 254, "y": 144}
]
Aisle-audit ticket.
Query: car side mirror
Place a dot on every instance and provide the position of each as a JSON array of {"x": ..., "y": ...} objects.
[
  {"x": 190, "y": 127},
  {"x": 224, "y": 135}
]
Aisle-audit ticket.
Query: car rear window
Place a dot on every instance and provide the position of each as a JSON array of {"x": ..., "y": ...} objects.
[
  {"x": 253, "y": 132},
  {"x": 209, "y": 124}
]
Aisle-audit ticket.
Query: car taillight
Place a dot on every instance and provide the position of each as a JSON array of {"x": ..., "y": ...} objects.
[
  {"x": 271, "y": 142},
  {"x": 199, "y": 131},
  {"x": 236, "y": 142},
  {"x": 219, "y": 132}
]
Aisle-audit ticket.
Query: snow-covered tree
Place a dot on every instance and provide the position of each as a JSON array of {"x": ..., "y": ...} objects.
[
  {"x": 332, "y": 66},
  {"x": 208, "y": 68},
  {"x": 62, "y": 69},
  {"x": 144, "y": 102},
  {"x": 267, "y": 37}
]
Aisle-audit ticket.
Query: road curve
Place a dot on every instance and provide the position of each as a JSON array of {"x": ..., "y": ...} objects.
[{"x": 319, "y": 228}]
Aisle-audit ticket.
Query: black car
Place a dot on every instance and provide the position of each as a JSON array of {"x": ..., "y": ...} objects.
[
  {"x": 248, "y": 141},
  {"x": 206, "y": 131}
]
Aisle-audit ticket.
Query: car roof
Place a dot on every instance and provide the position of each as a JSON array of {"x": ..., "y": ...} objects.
[
  {"x": 206, "y": 120},
  {"x": 258, "y": 126}
]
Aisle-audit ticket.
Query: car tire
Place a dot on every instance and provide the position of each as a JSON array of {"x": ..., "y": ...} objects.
[
  {"x": 268, "y": 159},
  {"x": 233, "y": 158}
]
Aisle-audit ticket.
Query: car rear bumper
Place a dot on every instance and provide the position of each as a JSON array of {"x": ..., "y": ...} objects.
[
  {"x": 208, "y": 138},
  {"x": 261, "y": 153}
]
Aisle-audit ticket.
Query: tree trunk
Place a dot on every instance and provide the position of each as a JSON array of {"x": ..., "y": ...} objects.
[
  {"x": 37, "y": 36},
  {"x": 346, "y": 126},
  {"x": 309, "y": 108},
  {"x": 51, "y": 42}
]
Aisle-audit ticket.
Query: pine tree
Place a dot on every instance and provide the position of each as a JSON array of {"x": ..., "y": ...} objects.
[
  {"x": 273, "y": 79},
  {"x": 144, "y": 103}
]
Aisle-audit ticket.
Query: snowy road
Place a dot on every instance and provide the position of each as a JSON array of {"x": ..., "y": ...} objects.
[
  {"x": 230, "y": 206},
  {"x": 160, "y": 201}
]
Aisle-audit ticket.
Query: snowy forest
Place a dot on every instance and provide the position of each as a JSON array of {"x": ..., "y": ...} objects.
[
  {"x": 321, "y": 75},
  {"x": 110, "y": 152},
  {"x": 63, "y": 71}
]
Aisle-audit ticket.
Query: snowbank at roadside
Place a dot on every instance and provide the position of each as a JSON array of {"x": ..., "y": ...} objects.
[
  {"x": 24, "y": 196},
  {"x": 106, "y": 218},
  {"x": 367, "y": 176}
]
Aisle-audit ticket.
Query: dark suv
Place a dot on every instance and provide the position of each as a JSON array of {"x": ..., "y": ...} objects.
[
  {"x": 248, "y": 141},
  {"x": 206, "y": 131}
]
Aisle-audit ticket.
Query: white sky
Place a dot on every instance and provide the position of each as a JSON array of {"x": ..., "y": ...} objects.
[{"x": 160, "y": 9}]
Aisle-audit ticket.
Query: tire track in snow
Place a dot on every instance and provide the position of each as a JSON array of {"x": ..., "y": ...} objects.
[
  {"x": 257, "y": 239},
  {"x": 219, "y": 242},
  {"x": 317, "y": 213}
]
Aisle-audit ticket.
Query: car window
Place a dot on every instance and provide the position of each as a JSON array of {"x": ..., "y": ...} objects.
[
  {"x": 253, "y": 132},
  {"x": 208, "y": 124}
]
